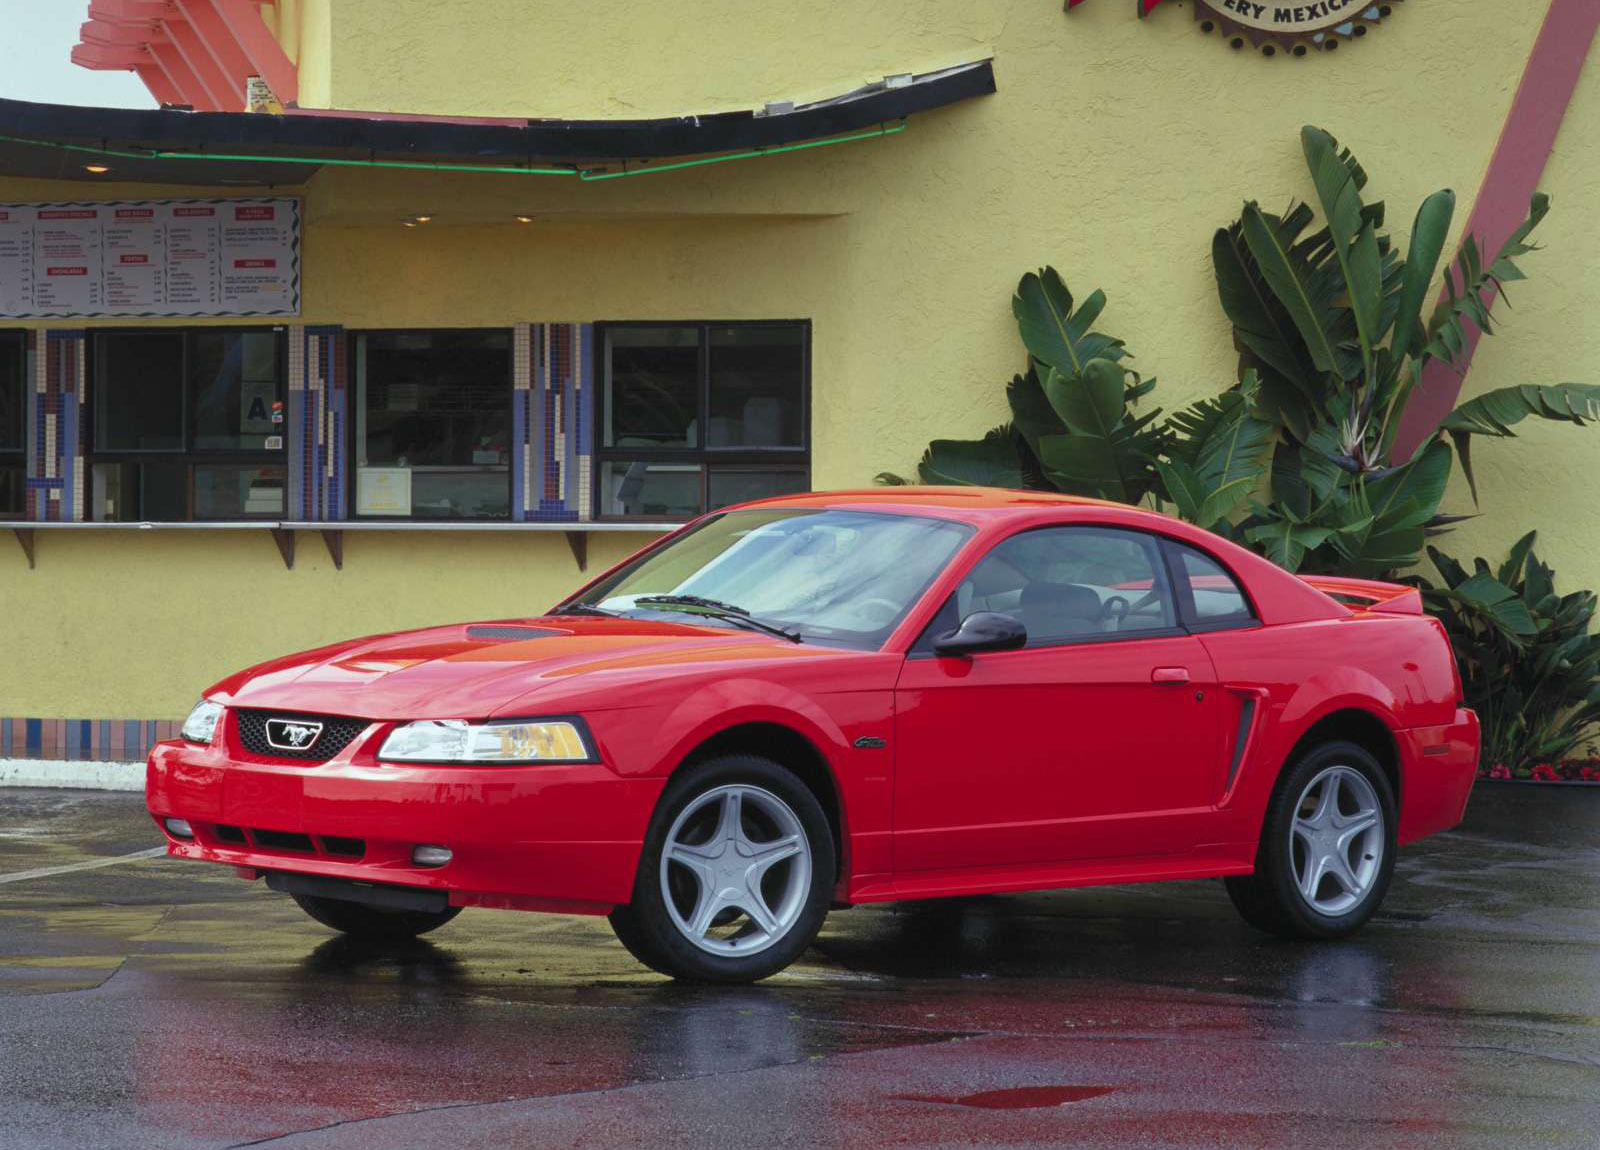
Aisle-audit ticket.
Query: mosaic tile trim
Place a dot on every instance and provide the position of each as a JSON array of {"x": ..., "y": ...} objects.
[
  {"x": 84, "y": 740},
  {"x": 559, "y": 428},
  {"x": 318, "y": 463},
  {"x": 295, "y": 425},
  {"x": 55, "y": 475},
  {"x": 521, "y": 391}
]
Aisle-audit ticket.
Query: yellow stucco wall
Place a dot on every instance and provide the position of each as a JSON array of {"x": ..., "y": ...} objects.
[{"x": 1113, "y": 149}]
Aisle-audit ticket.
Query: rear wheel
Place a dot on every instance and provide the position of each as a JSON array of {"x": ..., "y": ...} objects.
[
  {"x": 369, "y": 922},
  {"x": 735, "y": 876},
  {"x": 1327, "y": 847}
]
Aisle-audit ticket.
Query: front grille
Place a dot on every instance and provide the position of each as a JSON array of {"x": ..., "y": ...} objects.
[
  {"x": 337, "y": 733},
  {"x": 290, "y": 842},
  {"x": 284, "y": 840}
]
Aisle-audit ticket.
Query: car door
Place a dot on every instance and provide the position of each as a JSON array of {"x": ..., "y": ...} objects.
[{"x": 1101, "y": 738}]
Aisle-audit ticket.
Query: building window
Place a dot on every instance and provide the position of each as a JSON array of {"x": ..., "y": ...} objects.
[
  {"x": 188, "y": 425},
  {"x": 433, "y": 424},
  {"x": 13, "y": 424},
  {"x": 697, "y": 416}
]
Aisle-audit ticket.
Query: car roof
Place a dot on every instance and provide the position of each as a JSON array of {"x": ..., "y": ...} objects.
[
  {"x": 974, "y": 504},
  {"x": 1279, "y": 596}
]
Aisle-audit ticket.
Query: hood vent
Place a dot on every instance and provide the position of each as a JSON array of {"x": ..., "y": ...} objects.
[{"x": 507, "y": 631}]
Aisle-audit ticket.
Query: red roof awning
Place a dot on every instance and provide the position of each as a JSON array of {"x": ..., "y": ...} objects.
[{"x": 196, "y": 52}]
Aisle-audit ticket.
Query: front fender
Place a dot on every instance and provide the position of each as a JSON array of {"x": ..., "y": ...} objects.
[
  {"x": 717, "y": 706},
  {"x": 655, "y": 740}
]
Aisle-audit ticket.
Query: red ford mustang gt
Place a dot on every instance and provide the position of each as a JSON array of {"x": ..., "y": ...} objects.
[{"x": 838, "y": 698}]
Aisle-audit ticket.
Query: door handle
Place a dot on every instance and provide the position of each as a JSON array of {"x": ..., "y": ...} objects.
[{"x": 1176, "y": 675}]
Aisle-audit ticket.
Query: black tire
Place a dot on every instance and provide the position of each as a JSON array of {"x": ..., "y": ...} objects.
[
  {"x": 1270, "y": 899},
  {"x": 646, "y": 927},
  {"x": 372, "y": 923}
]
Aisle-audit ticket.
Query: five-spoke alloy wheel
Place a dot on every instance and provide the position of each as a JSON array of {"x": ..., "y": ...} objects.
[
  {"x": 1327, "y": 849},
  {"x": 736, "y": 874}
]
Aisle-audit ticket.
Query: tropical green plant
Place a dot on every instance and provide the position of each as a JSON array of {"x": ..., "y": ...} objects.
[
  {"x": 1330, "y": 329},
  {"x": 1075, "y": 426},
  {"x": 1296, "y": 459},
  {"x": 1529, "y": 665}
]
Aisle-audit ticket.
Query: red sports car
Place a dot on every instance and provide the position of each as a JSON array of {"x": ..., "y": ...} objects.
[{"x": 837, "y": 698}]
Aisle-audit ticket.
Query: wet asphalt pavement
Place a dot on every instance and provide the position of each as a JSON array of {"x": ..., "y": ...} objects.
[{"x": 157, "y": 1003}]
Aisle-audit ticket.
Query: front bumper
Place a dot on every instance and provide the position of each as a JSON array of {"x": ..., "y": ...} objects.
[{"x": 559, "y": 836}]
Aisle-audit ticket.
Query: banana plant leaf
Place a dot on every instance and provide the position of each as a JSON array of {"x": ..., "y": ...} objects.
[
  {"x": 1465, "y": 287},
  {"x": 1286, "y": 542},
  {"x": 1428, "y": 234},
  {"x": 1031, "y": 412},
  {"x": 1053, "y": 333},
  {"x": 1495, "y": 412},
  {"x": 1101, "y": 452},
  {"x": 1354, "y": 237},
  {"x": 1499, "y": 603},
  {"x": 993, "y": 461},
  {"x": 1309, "y": 293},
  {"x": 1218, "y": 455},
  {"x": 1262, "y": 325},
  {"x": 1409, "y": 495}
]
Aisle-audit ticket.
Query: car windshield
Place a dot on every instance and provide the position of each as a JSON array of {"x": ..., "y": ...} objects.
[{"x": 842, "y": 578}]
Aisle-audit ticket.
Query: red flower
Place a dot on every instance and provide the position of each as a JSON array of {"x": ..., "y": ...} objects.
[
  {"x": 1545, "y": 773},
  {"x": 1499, "y": 771}
]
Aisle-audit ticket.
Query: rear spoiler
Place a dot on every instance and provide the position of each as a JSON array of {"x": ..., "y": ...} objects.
[{"x": 1368, "y": 594}]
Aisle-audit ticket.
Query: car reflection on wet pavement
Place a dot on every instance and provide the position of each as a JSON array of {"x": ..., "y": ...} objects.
[{"x": 153, "y": 1003}]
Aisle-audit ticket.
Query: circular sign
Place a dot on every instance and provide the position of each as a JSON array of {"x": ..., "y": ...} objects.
[{"x": 1296, "y": 26}]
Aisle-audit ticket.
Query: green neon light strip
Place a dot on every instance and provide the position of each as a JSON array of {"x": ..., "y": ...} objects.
[
  {"x": 586, "y": 174},
  {"x": 592, "y": 174}
]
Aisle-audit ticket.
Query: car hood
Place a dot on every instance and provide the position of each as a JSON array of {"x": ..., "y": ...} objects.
[{"x": 476, "y": 670}]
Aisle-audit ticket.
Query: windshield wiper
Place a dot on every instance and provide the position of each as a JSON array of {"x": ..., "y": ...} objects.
[
  {"x": 581, "y": 609},
  {"x": 717, "y": 609}
]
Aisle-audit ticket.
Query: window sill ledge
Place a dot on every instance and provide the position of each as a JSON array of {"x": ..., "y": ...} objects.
[{"x": 283, "y": 531}]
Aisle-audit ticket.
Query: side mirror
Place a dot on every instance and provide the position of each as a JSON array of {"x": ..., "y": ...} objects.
[{"x": 982, "y": 631}]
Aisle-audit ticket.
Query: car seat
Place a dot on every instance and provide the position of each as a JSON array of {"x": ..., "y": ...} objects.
[{"x": 1060, "y": 610}]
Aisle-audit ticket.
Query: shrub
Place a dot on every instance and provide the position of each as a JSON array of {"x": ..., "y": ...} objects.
[{"x": 1529, "y": 665}]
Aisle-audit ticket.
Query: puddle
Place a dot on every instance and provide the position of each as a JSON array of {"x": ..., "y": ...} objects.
[{"x": 1016, "y": 1098}]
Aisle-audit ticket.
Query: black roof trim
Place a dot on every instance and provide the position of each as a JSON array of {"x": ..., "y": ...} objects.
[{"x": 454, "y": 141}]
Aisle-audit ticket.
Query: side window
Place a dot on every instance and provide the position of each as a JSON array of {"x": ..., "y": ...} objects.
[
  {"x": 1217, "y": 597},
  {"x": 1069, "y": 584}
]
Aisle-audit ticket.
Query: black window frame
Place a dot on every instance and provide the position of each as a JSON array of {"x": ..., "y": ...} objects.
[
  {"x": 15, "y": 343},
  {"x": 1160, "y": 568},
  {"x": 1172, "y": 554},
  {"x": 784, "y": 459},
  {"x": 1169, "y": 567},
  {"x": 353, "y": 443},
  {"x": 188, "y": 455}
]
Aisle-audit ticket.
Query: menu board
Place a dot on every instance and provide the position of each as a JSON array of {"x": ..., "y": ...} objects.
[{"x": 152, "y": 258}]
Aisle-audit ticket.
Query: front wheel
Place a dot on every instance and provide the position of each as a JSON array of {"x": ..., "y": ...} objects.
[
  {"x": 735, "y": 876},
  {"x": 372, "y": 923},
  {"x": 1327, "y": 847}
]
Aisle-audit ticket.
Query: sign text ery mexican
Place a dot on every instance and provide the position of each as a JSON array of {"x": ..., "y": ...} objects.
[
  {"x": 152, "y": 258},
  {"x": 1300, "y": 15}
]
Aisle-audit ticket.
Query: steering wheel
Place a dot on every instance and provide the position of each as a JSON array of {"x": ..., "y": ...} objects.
[
  {"x": 877, "y": 612},
  {"x": 1116, "y": 609}
]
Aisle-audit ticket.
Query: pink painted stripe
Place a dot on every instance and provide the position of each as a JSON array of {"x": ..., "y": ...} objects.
[{"x": 1548, "y": 82}]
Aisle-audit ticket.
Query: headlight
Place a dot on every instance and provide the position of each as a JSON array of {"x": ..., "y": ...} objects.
[
  {"x": 516, "y": 741},
  {"x": 201, "y": 725}
]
